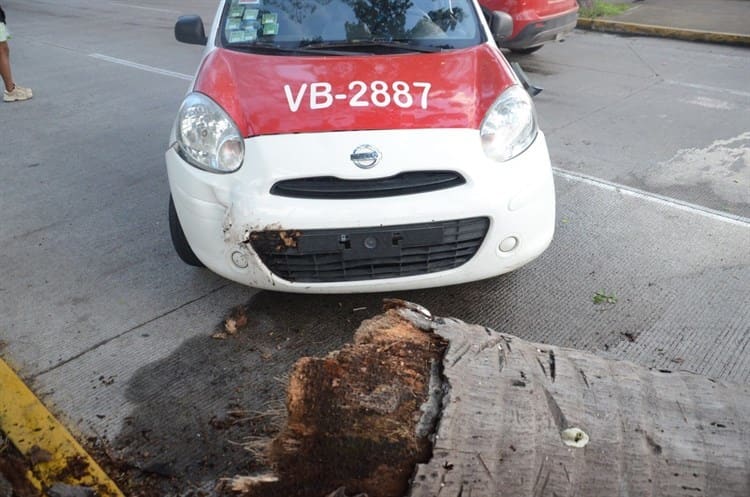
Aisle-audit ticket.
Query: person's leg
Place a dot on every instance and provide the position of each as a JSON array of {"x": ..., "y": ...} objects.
[
  {"x": 5, "y": 66},
  {"x": 13, "y": 92}
]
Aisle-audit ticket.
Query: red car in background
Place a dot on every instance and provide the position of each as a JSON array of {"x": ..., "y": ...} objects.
[{"x": 535, "y": 22}]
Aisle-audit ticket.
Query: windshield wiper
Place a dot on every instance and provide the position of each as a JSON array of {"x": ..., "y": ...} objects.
[
  {"x": 400, "y": 45},
  {"x": 274, "y": 48}
]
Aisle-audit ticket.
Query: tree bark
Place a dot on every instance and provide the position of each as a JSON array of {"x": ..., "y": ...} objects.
[
  {"x": 528, "y": 420},
  {"x": 358, "y": 418}
]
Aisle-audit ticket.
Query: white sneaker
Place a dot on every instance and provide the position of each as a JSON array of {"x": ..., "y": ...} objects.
[{"x": 18, "y": 94}]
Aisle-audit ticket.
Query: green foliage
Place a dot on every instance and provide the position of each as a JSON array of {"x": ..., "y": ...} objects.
[
  {"x": 603, "y": 298},
  {"x": 602, "y": 9}
]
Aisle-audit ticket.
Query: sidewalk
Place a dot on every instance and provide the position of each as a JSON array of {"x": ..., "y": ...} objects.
[{"x": 715, "y": 21}]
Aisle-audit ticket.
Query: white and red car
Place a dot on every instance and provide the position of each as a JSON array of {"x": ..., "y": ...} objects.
[{"x": 356, "y": 146}]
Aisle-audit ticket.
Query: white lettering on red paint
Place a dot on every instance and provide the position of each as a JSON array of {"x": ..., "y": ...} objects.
[{"x": 361, "y": 94}]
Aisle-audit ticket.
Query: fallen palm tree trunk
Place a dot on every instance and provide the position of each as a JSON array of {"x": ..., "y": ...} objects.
[{"x": 498, "y": 416}]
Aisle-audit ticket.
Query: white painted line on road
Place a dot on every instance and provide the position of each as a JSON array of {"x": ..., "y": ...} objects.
[
  {"x": 695, "y": 86},
  {"x": 674, "y": 203},
  {"x": 144, "y": 7},
  {"x": 142, "y": 67}
]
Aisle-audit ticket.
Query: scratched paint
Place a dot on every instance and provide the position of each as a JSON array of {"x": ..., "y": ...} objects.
[{"x": 723, "y": 166}]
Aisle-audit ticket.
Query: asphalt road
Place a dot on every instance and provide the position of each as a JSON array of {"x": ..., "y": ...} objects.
[{"x": 650, "y": 140}]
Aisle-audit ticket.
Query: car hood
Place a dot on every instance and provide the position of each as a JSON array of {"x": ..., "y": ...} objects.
[{"x": 273, "y": 94}]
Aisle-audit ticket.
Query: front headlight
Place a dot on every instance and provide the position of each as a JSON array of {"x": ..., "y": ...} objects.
[
  {"x": 509, "y": 126},
  {"x": 207, "y": 137}
]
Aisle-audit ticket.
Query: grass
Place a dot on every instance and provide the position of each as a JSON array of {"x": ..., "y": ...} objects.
[
  {"x": 600, "y": 8},
  {"x": 603, "y": 298}
]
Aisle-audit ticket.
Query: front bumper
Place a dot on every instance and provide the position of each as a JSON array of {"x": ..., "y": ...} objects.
[{"x": 222, "y": 214}]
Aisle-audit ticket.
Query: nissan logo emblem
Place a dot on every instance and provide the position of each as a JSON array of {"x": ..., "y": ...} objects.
[{"x": 365, "y": 156}]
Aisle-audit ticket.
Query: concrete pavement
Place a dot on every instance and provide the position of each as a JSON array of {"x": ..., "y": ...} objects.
[
  {"x": 113, "y": 333},
  {"x": 714, "y": 21}
]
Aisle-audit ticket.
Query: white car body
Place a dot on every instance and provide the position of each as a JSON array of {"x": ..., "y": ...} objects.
[{"x": 231, "y": 221}]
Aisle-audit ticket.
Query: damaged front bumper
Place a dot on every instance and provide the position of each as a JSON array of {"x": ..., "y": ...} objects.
[{"x": 498, "y": 218}]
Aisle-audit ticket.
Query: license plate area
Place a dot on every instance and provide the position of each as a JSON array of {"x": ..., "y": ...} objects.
[{"x": 350, "y": 254}]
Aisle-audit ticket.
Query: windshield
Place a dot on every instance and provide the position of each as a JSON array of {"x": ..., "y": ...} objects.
[{"x": 343, "y": 26}]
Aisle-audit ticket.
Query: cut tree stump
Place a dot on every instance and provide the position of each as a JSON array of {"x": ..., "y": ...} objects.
[{"x": 502, "y": 417}]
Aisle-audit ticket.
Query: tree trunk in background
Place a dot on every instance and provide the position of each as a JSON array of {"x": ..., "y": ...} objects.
[{"x": 515, "y": 419}]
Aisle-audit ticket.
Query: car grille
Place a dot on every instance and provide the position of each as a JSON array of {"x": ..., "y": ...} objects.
[
  {"x": 323, "y": 256},
  {"x": 336, "y": 188}
]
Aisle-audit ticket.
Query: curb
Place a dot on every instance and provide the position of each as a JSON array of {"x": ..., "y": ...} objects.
[
  {"x": 629, "y": 28},
  {"x": 34, "y": 430}
]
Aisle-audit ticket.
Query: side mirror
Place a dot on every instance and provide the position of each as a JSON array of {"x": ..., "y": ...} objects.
[
  {"x": 501, "y": 25},
  {"x": 189, "y": 29}
]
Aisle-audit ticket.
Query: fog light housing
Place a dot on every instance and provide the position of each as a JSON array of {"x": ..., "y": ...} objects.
[
  {"x": 508, "y": 244},
  {"x": 239, "y": 259}
]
